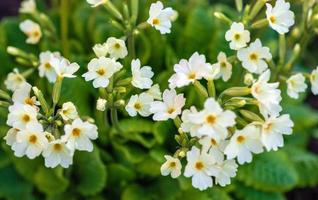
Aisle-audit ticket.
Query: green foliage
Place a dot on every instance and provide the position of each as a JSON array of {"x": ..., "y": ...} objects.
[
  {"x": 270, "y": 172},
  {"x": 249, "y": 193}
]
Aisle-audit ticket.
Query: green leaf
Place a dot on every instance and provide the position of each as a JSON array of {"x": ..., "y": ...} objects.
[
  {"x": 216, "y": 193},
  {"x": 270, "y": 172},
  {"x": 135, "y": 192},
  {"x": 12, "y": 186},
  {"x": 249, "y": 193},
  {"x": 306, "y": 164},
  {"x": 149, "y": 167},
  {"x": 90, "y": 171},
  {"x": 27, "y": 168},
  {"x": 162, "y": 130},
  {"x": 120, "y": 174},
  {"x": 50, "y": 181}
]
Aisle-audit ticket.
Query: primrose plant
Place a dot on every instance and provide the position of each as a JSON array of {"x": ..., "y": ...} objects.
[{"x": 213, "y": 139}]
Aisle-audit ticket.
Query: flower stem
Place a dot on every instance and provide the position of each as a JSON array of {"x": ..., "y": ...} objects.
[
  {"x": 64, "y": 10},
  {"x": 211, "y": 88}
]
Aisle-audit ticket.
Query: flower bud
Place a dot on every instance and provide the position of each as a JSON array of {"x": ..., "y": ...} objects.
[
  {"x": 100, "y": 50},
  {"x": 101, "y": 104},
  {"x": 248, "y": 79}
]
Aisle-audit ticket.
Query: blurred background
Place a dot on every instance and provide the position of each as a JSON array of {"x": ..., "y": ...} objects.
[{"x": 128, "y": 179}]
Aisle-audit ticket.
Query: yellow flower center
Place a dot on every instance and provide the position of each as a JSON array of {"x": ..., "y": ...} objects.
[
  {"x": 240, "y": 139},
  {"x": 26, "y": 118},
  {"x": 29, "y": 101},
  {"x": 155, "y": 21},
  {"x": 272, "y": 19},
  {"x": 223, "y": 64},
  {"x": 172, "y": 164},
  {"x": 117, "y": 46},
  {"x": 213, "y": 142},
  {"x": 101, "y": 71},
  {"x": 171, "y": 110},
  {"x": 57, "y": 147},
  {"x": 237, "y": 36},
  {"x": 33, "y": 139},
  {"x": 199, "y": 165},
  {"x": 76, "y": 132},
  {"x": 268, "y": 127},
  {"x": 192, "y": 75},
  {"x": 47, "y": 66},
  {"x": 253, "y": 56},
  {"x": 137, "y": 106},
  {"x": 210, "y": 119}
]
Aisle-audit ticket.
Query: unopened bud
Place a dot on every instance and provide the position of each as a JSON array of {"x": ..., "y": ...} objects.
[
  {"x": 101, "y": 104},
  {"x": 237, "y": 91},
  {"x": 223, "y": 18},
  {"x": 248, "y": 79},
  {"x": 119, "y": 103}
]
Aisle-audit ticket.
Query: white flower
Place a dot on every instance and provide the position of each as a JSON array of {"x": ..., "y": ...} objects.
[
  {"x": 45, "y": 68},
  {"x": 101, "y": 104},
  {"x": 238, "y": 36},
  {"x": 63, "y": 67},
  {"x": 11, "y": 136},
  {"x": 254, "y": 57},
  {"x": 32, "y": 31},
  {"x": 141, "y": 77},
  {"x": 170, "y": 108},
  {"x": 79, "y": 135},
  {"x": 273, "y": 130},
  {"x": 27, "y": 6},
  {"x": 187, "y": 72},
  {"x": 199, "y": 167},
  {"x": 243, "y": 143},
  {"x": 100, "y": 50},
  {"x": 14, "y": 80},
  {"x": 225, "y": 68},
  {"x": 57, "y": 153},
  {"x": 267, "y": 95},
  {"x": 68, "y": 111},
  {"x": 280, "y": 18},
  {"x": 295, "y": 85},
  {"x": 314, "y": 81},
  {"x": 160, "y": 18},
  {"x": 22, "y": 96},
  {"x": 224, "y": 171},
  {"x": 172, "y": 166},
  {"x": 30, "y": 141},
  {"x": 95, "y": 3},
  {"x": 21, "y": 115},
  {"x": 187, "y": 124},
  {"x": 116, "y": 48},
  {"x": 213, "y": 119},
  {"x": 155, "y": 92},
  {"x": 214, "y": 146},
  {"x": 139, "y": 104},
  {"x": 100, "y": 70}
]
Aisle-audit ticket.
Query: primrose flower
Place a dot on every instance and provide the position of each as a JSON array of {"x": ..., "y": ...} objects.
[
  {"x": 314, "y": 81},
  {"x": 237, "y": 36},
  {"x": 187, "y": 124},
  {"x": 254, "y": 57},
  {"x": 280, "y": 18},
  {"x": 68, "y": 111},
  {"x": 32, "y": 30},
  {"x": 155, "y": 92},
  {"x": 224, "y": 171},
  {"x": 27, "y": 6},
  {"x": 11, "y": 136},
  {"x": 21, "y": 115},
  {"x": 95, "y": 3},
  {"x": 186, "y": 72},
  {"x": 57, "y": 153},
  {"x": 45, "y": 68},
  {"x": 214, "y": 146},
  {"x": 169, "y": 108},
  {"x": 63, "y": 67},
  {"x": 100, "y": 70},
  {"x": 79, "y": 135},
  {"x": 243, "y": 143},
  {"x": 172, "y": 166},
  {"x": 116, "y": 48},
  {"x": 267, "y": 94},
  {"x": 273, "y": 130},
  {"x": 224, "y": 66},
  {"x": 213, "y": 119},
  {"x": 160, "y": 17},
  {"x": 199, "y": 167},
  {"x": 139, "y": 104},
  {"x": 14, "y": 80},
  {"x": 30, "y": 141},
  {"x": 295, "y": 85},
  {"x": 100, "y": 50},
  {"x": 141, "y": 76},
  {"x": 22, "y": 96}
]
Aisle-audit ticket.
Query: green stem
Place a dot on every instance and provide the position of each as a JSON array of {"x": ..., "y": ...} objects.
[
  {"x": 177, "y": 122},
  {"x": 200, "y": 89},
  {"x": 282, "y": 49},
  {"x": 64, "y": 10},
  {"x": 131, "y": 45},
  {"x": 211, "y": 88},
  {"x": 114, "y": 119}
]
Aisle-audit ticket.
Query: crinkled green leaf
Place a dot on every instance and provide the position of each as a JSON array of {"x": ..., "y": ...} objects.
[
  {"x": 272, "y": 172},
  {"x": 90, "y": 172},
  {"x": 249, "y": 193}
]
